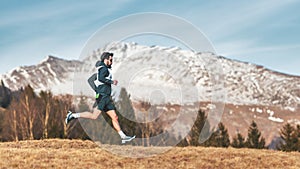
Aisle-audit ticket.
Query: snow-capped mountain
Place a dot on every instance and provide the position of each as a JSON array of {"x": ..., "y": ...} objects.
[
  {"x": 164, "y": 69},
  {"x": 245, "y": 83},
  {"x": 52, "y": 73},
  {"x": 170, "y": 75}
]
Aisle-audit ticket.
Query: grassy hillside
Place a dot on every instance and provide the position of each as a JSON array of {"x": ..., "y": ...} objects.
[{"x": 57, "y": 153}]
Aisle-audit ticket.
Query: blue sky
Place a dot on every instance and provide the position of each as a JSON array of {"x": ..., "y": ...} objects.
[{"x": 264, "y": 32}]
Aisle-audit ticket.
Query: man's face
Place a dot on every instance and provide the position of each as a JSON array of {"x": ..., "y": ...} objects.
[{"x": 109, "y": 61}]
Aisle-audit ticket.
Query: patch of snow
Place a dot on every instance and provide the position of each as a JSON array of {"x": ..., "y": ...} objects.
[
  {"x": 259, "y": 110},
  {"x": 51, "y": 71},
  {"x": 290, "y": 108},
  {"x": 270, "y": 112},
  {"x": 276, "y": 119},
  {"x": 211, "y": 106}
]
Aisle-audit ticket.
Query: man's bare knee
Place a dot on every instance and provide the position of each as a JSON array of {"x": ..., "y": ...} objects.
[
  {"x": 96, "y": 113},
  {"x": 113, "y": 115}
]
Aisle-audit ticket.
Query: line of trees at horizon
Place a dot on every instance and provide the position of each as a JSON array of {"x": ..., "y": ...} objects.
[
  {"x": 26, "y": 115},
  {"x": 289, "y": 137},
  {"x": 221, "y": 138},
  {"x": 32, "y": 116}
]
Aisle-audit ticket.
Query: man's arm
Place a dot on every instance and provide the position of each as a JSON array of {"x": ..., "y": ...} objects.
[
  {"x": 91, "y": 81},
  {"x": 102, "y": 73}
]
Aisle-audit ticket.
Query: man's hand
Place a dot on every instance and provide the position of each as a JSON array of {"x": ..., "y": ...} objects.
[{"x": 115, "y": 82}]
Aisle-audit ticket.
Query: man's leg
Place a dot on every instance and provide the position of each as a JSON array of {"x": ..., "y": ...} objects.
[
  {"x": 89, "y": 115},
  {"x": 112, "y": 114}
]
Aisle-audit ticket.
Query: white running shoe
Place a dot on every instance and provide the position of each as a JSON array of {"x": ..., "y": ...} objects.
[
  {"x": 127, "y": 139},
  {"x": 69, "y": 117}
]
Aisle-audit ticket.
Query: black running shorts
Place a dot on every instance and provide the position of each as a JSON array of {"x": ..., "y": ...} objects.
[{"x": 105, "y": 103}]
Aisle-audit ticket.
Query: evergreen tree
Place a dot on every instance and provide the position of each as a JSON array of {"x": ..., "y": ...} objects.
[
  {"x": 5, "y": 95},
  {"x": 290, "y": 138},
  {"x": 219, "y": 138},
  {"x": 298, "y": 136},
  {"x": 222, "y": 139},
  {"x": 238, "y": 141},
  {"x": 192, "y": 139},
  {"x": 197, "y": 128},
  {"x": 254, "y": 139},
  {"x": 212, "y": 140}
]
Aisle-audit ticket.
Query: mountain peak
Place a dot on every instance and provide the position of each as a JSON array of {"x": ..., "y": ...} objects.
[
  {"x": 50, "y": 58},
  {"x": 51, "y": 71}
]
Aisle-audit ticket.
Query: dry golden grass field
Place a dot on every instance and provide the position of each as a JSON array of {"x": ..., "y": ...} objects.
[{"x": 56, "y": 153}]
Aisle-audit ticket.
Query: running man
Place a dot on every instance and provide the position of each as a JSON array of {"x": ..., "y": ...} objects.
[{"x": 101, "y": 84}]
